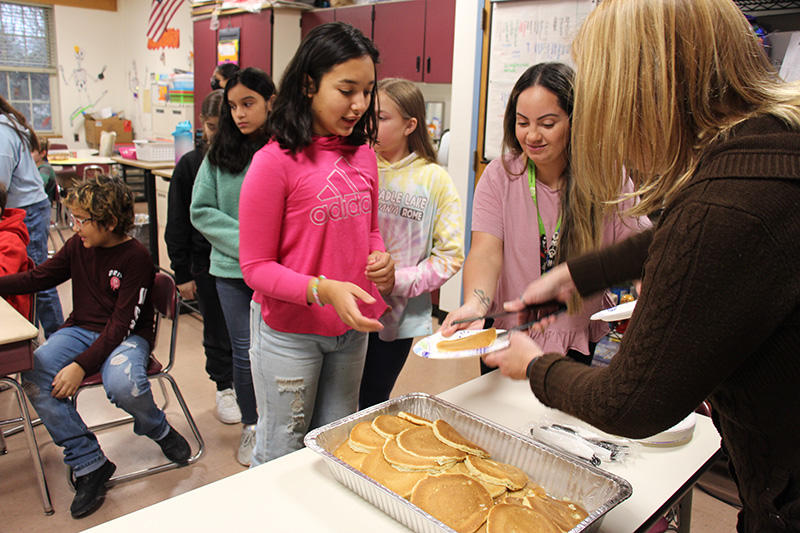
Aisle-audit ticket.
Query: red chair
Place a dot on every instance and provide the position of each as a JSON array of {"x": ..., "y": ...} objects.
[
  {"x": 18, "y": 357},
  {"x": 165, "y": 301}
]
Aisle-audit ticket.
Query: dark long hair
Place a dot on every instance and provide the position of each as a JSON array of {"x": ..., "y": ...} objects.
[
  {"x": 324, "y": 47},
  {"x": 212, "y": 104},
  {"x": 557, "y": 78},
  {"x": 19, "y": 124},
  {"x": 231, "y": 149}
]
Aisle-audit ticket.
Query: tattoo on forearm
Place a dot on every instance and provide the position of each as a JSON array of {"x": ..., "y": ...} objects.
[{"x": 485, "y": 301}]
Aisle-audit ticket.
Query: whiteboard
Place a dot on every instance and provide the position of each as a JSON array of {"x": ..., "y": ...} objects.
[{"x": 525, "y": 33}]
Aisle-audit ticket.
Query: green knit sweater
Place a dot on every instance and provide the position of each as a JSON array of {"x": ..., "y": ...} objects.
[
  {"x": 215, "y": 214},
  {"x": 719, "y": 318}
]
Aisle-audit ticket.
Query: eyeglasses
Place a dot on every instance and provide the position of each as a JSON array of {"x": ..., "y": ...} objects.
[{"x": 77, "y": 223}]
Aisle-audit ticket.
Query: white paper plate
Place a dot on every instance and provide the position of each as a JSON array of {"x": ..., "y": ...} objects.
[
  {"x": 680, "y": 433},
  {"x": 426, "y": 347},
  {"x": 618, "y": 312}
]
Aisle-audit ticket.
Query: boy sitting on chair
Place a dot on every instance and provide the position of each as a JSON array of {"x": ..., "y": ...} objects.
[
  {"x": 109, "y": 330},
  {"x": 13, "y": 250}
]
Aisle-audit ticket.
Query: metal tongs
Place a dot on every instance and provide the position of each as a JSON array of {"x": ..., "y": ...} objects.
[{"x": 541, "y": 311}]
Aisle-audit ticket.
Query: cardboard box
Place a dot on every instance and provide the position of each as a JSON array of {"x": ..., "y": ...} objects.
[{"x": 94, "y": 126}]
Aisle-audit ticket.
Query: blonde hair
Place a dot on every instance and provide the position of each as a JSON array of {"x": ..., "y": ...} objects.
[
  {"x": 411, "y": 104},
  {"x": 663, "y": 79}
]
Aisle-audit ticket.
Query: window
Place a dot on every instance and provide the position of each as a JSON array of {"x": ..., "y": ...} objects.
[{"x": 28, "y": 73}]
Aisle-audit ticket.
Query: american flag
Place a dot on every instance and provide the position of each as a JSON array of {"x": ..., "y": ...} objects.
[{"x": 161, "y": 12}]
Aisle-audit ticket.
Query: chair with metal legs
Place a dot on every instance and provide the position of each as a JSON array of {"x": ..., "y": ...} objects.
[{"x": 165, "y": 301}]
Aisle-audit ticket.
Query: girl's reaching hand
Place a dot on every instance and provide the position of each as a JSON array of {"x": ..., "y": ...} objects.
[
  {"x": 342, "y": 295},
  {"x": 514, "y": 360},
  {"x": 380, "y": 271}
]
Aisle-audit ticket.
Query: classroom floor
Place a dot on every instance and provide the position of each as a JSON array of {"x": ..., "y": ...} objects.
[{"x": 20, "y": 503}]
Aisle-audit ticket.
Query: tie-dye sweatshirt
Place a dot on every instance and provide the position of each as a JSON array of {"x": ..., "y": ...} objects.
[{"x": 420, "y": 221}]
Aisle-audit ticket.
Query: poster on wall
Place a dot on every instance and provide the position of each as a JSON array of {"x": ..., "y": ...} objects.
[{"x": 228, "y": 46}]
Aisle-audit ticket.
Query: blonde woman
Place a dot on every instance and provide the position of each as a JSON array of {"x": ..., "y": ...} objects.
[{"x": 711, "y": 134}]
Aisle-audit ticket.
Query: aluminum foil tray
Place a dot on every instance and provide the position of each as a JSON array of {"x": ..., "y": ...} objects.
[{"x": 561, "y": 476}]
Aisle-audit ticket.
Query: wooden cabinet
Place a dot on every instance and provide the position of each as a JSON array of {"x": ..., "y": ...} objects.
[
  {"x": 358, "y": 16},
  {"x": 414, "y": 37},
  {"x": 255, "y": 49}
]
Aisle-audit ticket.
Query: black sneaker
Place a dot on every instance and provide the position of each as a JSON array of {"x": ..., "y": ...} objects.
[
  {"x": 90, "y": 490},
  {"x": 175, "y": 447}
]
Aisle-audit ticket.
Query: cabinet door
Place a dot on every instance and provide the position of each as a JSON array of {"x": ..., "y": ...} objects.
[
  {"x": 399, "y": 34},
  {"x": 358, "y": 16},
  {"x": 440, "y": 24},
  {"x": 255, "y": 47},
  {"x": 311, "y": 19},
  {"x": 205, "y": 60}
]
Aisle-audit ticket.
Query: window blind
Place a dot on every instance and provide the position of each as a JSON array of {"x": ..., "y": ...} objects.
[{"x": 26, "y": 37}]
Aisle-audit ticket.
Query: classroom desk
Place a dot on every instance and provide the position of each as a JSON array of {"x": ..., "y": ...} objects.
[
  {"x": 16, "y": 350},
  {"x": 84, "y": 156},
  {"x": 297, "y": 493},
  {"x": 149, "y": 193},
  {"x": 164, "y": 173}
]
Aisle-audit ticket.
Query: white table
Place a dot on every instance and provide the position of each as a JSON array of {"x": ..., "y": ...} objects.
[{"x": 296, "y": 492}]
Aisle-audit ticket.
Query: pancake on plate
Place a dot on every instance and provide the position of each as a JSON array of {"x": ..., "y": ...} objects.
[
  {"x": 495, "y": 472},
  {"x": 455, "y": 499},
  {"x": 481, "y": 339},
  {"x": 564, "y": 514},
  {"x": 495, "y": 491},
  {"x": 350, "y": 456},
  {"x": 448, "y": 434},
  {"x": 389, "y": 425},
  {"x": 421, "y": 441},
  {"x": 402, "y": 483},
  {"x": 505, "y": 518},
  {"x": 414, "y": 419},
  {"x": 406, "y": 462},
  {"x": 364, "y": 439}
]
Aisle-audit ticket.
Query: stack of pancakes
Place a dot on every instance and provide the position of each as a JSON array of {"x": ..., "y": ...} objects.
[{"x": 453, "y": 479}]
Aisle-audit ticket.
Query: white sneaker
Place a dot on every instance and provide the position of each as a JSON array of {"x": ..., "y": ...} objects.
[
  {"x": 227, "y": 407},
  {"x": 246, "y": 444}
]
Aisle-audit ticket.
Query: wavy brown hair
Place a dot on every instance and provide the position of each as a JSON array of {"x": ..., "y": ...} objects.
[
  {"x": 657, "y": 82},
  {"x": 411, "y": 104},
  {"x": 108, "y": 200}
]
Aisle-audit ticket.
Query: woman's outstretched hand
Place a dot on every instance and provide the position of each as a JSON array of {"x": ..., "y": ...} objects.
[
  {"x": 465, "y": 311},
  {"x": 557, "y": 284},
  {"x": 513, "y": 361},
  {"x": 343, "y": 296}
]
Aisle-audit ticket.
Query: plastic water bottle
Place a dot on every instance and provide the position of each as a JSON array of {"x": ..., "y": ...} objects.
[{"x": 183, "y": 139}]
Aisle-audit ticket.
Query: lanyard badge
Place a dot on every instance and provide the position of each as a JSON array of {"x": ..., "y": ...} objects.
[{"x": 547, "y": 254}]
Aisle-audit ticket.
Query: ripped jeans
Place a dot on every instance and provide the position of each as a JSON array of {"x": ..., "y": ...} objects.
[
  {"x": 302, "y": 381},
  {"x": 125, "y": 381}
]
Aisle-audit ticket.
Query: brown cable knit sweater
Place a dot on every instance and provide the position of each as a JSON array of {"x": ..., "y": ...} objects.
[{"x": 719, "y": 318}]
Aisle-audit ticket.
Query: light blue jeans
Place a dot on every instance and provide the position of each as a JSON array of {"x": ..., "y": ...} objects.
[
  {"x": 124, "y": 378},
  {"x": 48, "y": 306},
  {"x": 302, "y": 382}
]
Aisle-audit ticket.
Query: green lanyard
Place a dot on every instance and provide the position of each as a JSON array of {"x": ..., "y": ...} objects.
[{"x": 547, "y": 254}]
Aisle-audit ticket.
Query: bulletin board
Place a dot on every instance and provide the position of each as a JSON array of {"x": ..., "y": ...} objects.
[{"x": 522, "y": 33}]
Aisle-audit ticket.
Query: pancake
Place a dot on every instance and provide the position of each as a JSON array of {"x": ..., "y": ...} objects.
[
  {"x": 421, "y": 441},
  {"x": 472, "y": 342},
  {"x": 505, "y": 518},
  {"x": 406, "y": 462},
  {"x": 494, "y": 472},
  {"x": 350, "y": 456},
  {"x": 530, "y": 489},
  {"x": 455, "y": 499},
  {"x": 364, "y": 439},
  {"x": 564, "y": 514},
  {"x": 448, "y": 434},
  {"x": 414, "y": 419},
  {"x": 495, "y": 491},
  {"x": 401, "y": 483},
  {"x": 388, "y": 425}
]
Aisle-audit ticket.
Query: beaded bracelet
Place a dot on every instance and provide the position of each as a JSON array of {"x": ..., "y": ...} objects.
[{"x": 315, "y": 290}]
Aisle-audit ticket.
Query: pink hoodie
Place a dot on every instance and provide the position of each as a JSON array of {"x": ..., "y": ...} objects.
[{"x": 304, "y": 215}]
